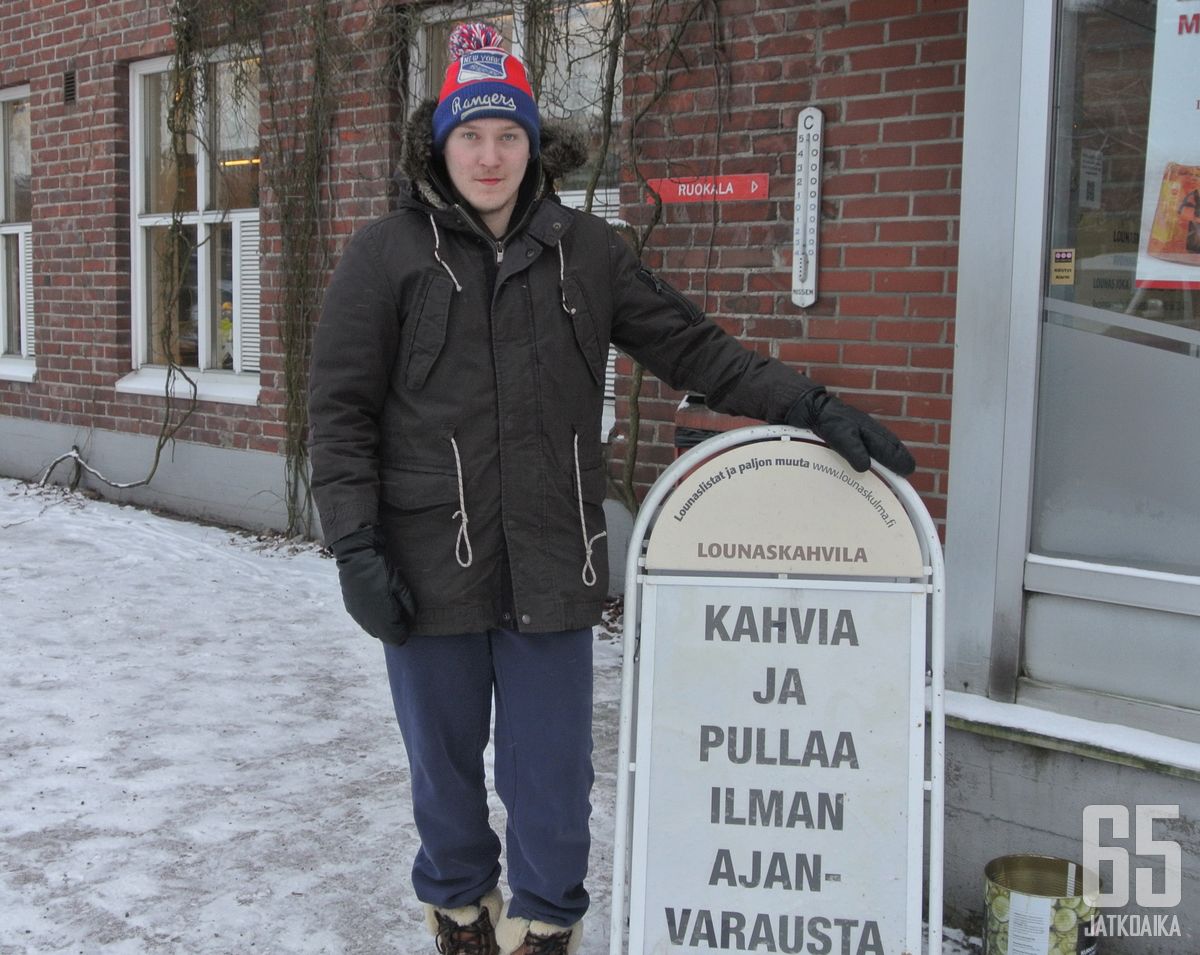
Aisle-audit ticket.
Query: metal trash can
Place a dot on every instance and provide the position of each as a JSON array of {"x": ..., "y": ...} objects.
[{"x": 1035, "y": 906}]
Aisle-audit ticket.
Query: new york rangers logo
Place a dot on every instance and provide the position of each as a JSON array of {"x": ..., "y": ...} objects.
[{"x": 482, "y": 65}]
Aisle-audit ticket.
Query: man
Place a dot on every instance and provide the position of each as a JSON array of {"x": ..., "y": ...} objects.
[{"x": 457, "y": 391}]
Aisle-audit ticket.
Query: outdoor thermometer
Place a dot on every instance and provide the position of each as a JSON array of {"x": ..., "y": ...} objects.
[{"x": 806, "y": 222}]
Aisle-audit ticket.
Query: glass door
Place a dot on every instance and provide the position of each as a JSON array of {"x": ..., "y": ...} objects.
[{"x": 1112, "y": 579}]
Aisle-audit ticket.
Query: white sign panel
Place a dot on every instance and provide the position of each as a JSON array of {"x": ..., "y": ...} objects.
[
  {"x": 1169, "y": 250},
  {"x": 777, "y": 802}
]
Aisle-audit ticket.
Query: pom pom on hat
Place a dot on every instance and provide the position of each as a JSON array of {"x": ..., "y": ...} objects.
[
  {"x": 473, "y": 36},
  {"x": 484, "y": 82}
]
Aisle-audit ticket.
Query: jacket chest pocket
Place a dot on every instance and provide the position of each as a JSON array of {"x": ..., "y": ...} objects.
[
  {"x": 425, "y": 329},
  {"x": 583, "y": 326}
]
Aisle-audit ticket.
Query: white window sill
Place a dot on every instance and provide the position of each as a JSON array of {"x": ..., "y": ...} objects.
[
  {"x": 13, "y": 368},
  {"x": 1059, "y": 731},
  {"x": 221, "y": 386}
]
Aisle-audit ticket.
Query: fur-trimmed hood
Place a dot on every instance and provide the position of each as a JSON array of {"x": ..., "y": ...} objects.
[{"x": 563, "y": 150}]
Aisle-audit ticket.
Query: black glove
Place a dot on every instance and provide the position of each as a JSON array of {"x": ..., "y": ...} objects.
[
  {"x": 374, "y": 593},
  {"x": 853, "y": 434}
]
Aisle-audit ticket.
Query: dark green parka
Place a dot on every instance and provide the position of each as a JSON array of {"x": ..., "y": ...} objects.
[{"x": 457, "y": 391}]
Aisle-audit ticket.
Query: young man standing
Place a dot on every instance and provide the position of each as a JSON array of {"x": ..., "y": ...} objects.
[{"x": 456, "y": 399}]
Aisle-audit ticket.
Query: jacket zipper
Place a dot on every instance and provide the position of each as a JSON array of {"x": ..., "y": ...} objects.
[{"x": 497, "y": 245}]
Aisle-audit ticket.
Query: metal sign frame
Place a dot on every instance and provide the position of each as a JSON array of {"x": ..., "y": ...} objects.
[{"x": 926, "y": 649}]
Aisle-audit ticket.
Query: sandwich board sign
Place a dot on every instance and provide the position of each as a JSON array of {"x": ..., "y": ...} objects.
[{"x": 777, "y": 761}]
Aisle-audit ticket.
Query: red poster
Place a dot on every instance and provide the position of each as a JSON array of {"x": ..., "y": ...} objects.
[{"x": 1169, "y": 254}]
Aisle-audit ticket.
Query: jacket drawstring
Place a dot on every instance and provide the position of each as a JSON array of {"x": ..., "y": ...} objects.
[
  {"x": 464, "y": 538},
  {"x": 437, "y": 244},
  {"x": 588, "y": 570},
  {"x": 562, "y": 290}
]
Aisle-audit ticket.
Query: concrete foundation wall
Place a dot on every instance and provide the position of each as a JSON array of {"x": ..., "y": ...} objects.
[
  {"x": 224, "y": 485},
  {"x": 1005, "y": 797}
]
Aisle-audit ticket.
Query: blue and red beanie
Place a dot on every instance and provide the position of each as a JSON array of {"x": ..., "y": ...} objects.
[{"x": 484, "y": 82}]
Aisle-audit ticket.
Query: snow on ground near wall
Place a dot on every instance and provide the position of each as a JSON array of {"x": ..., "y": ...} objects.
[{"x": 199, "y": 753}]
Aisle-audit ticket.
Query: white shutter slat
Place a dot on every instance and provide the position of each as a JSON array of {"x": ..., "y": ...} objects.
[
  {"x": 27, "y": 325},
  {"x": 248, "y": 303},
  {"x": 610, "y": 375}
]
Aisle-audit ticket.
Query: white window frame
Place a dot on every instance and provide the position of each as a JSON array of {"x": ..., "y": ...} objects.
[
  {"x": 242, "y": 384},
  {"x": 20, "y": 366},
  {"x": 605, "y": 202}
]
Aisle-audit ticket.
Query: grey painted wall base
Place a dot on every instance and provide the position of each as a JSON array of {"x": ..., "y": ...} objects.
[
  {"x": 1005, "y": 797},
  {"x": 223, "y": 485}
]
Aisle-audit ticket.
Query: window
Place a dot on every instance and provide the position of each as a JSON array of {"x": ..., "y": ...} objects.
[
  {"x": 1113, "y": 572},
  {"x": 16, "y": 232},
  {"x": 569, "y": 89},
  {"x": 570, "y": 85},
  {"x": 195, "y": 231},
  {"x": 1072, "y": 517}
]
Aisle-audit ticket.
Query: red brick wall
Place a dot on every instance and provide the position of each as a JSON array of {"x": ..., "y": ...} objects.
[
  {"x": 81, "y": 201},
  {"x": 888, "y": 76}
]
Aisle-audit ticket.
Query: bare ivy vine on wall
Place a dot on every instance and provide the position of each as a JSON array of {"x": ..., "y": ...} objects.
[
  {"x": 297, "y": 72},
  {"x": 298, "y": 59},
  {"x": 574, "y": 51}
]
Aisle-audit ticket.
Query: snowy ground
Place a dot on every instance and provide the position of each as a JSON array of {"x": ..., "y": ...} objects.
[{"x": 199, "y": 754}]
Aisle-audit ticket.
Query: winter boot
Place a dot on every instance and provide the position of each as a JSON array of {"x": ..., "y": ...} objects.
[
  {"x": 527, "y": 937},
  {"x": 468, "y": 929}
]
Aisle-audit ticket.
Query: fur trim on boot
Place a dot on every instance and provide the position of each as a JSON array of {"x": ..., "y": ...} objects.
[
  {"x": 530, "y": 937},
  {"x": 484, "y": 915}
]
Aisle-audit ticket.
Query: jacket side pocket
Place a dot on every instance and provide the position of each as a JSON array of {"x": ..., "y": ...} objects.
[
  {"x": 682, "y": 304},
  {"x": 429, "y": 333},
  {"x": 406, "y": 489}
]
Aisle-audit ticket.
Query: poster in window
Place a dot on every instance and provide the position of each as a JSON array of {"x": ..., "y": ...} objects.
[{"x": 1169, "y": 253}]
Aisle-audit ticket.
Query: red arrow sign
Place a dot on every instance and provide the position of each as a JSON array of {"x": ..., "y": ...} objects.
[{"x": 711, "y": 188}]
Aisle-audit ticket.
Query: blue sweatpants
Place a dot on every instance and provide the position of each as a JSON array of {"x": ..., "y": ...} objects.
[{"x": 442, "y": 689}]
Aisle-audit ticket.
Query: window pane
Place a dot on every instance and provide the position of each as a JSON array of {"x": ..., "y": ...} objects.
[
  {"x": 220, "y": 244},
  {"x": 573, "y": 85},
  {"x": 166, "y": 178},
  {"x": 172, "y": 296},
  {"x": 1118, "y": 439},
  {"x": 12, "y": 296},
  {"x": 17, "y": 167},
  {"x": 1105, "y": 61},
  {"x": 1115, "y": 475},
  {"x": 437, "y": 56},
  {"x": 235, "y": 150},
  {"x": 571, "y": 81}
]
